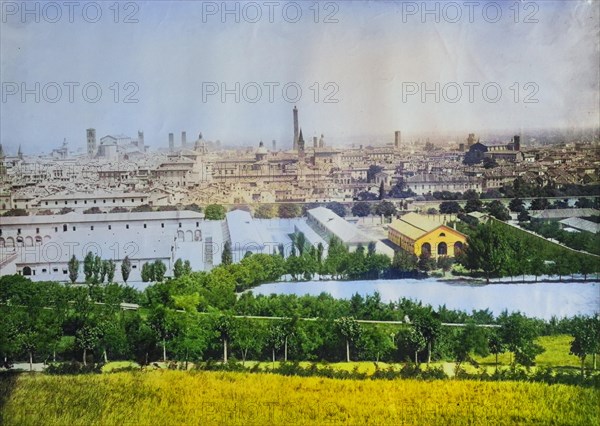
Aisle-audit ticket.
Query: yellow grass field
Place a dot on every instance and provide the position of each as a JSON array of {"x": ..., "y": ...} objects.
[{"x": 166, "y": 397}]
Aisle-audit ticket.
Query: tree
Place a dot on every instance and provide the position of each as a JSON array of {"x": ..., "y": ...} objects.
[
  {"x": 337, "y": 208},
  {"x": 87, "y": 338},
  {"x": 518, "y": 333},
  {"x": 523, "y": 216},
  {"x": 381, "y": 191},
  {"x": 97, "y": 269},
  {"x": 496, "y": 345},
  {"x": 227, "y": 256},
  {"x": 385, "y": 208},
  {"x": 516, "y": 205},
  {"x": 473, "y": 205},
  {"x": 497, "y": 209},
  {"x": 300, "y": 242},
  {"x": 404, "y": 261},
  {"x": 265, "y": 211},
  {"x": 445, "y": 263},
  {"x": 487, "y": 249},
  {"x": 73, "y": 267},
  {"x": 470, "y": 339},
  {"x": 540, "y": 204},
  {"x": 275, "y": 338},
  {"x": 187, "y": 268},
  {"x": 162, "y": 323},
  {"x": 104, "y": 270},
  {"x": 214, "y": 212},
  {"x": 147, "y": 272},
  {"x": 110, "y": 272},
  {"x": 373, "y": 171},
  {"x": 160, "y": 270},
  {"x": 249, "y": 337},
  {"x": 586, "y": 338},
  {"x": 289, "y": 211},
  {"x": 350, "y": 330},
  {"x": 426, "y": 263},
  {"x": 449, "y": 207},
  {"x": 361, "y": 209},
  {"x": 429, "y": 326},
  {"x": 88, "y": 266},
  {"x": 225, "y": 327},
  {"x": 489, "y": 163},
  {"x": 125, "y": 268},
  {"x": 178, "y": 268}
]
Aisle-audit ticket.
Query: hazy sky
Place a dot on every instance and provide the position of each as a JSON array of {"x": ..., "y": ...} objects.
[{"x": 373, "y": 56}]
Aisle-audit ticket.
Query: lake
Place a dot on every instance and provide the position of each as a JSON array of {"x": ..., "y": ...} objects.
[{"x": 541, "y": 300}]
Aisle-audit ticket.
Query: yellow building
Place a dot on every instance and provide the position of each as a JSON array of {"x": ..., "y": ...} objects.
[{"x": 416, "y": 233}]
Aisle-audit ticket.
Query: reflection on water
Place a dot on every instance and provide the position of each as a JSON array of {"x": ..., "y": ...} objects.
[{"x": 541, "y": 300}]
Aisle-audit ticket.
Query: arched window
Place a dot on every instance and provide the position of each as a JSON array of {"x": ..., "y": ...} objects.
[
  {"x": 426, "y": 248},
  {"x": 2, "y": 242},
  {"x": 442, "y": 234},
  {"x": 442, "y": 249},
  {"x": 26, "y": 271},
  {"x": 458, "y": 248}
]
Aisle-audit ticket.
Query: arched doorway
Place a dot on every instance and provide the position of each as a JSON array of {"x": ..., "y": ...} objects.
[
  {"x": 26, "y": 271},
  {"x": 442, "y": 249},
  {"x": 458, "y": 248},
  {"x": 426, "y": 248}
]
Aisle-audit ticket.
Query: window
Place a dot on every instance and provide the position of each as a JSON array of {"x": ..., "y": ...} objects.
[
  {"x": 180, "y": 225},
  {"x": 84, "y": 201},
  {"x": 132, "y": 200},
  {"x": 92, "y": 228},
  {"x": 64, "y": 228},
  {"x": 442, "y": 249},
  {"x": 54, "y": 269},
  {"x": 46, "y": 202},
  {"x": 74, "y": 228},
  {"x": 56, "y": 203},
  {"x": 197, "y": 224},
  {"x": 75, "y": 201},
  {"x": 94, "y": 201},
  {"x": 133, "y": 266},
  {"x": 442, "y": 234},
  {"x": 127, "y": 226},
  {"x": 37, "y": 230},
  {"x": 18, "y": 231},
  {"x": 44, "y": 270},
  {"x": 55, "y": 229},
  {"x": 162, "y": 225},
  {"x": 65, "y": 272},
  {"x": 109, "y": 227},
  {"x": 145, "y": 226}
]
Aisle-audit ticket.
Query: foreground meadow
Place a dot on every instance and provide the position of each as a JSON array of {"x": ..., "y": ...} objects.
[{"x": 177, "y": 398}]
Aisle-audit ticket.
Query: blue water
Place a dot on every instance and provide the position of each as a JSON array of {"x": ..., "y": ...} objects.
[{"x": 541, "y": 300}]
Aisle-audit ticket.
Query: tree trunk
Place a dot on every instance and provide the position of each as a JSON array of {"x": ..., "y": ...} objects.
[
  {"x": 273, "y": 357},
  {"x": 583, "y": 366},
  {"x": 105, "y": 357},
  {"x": 594, "y": 359},
  {"x": 347, "y": 350},
  {"x": 224, "y": 351},
  {"x": 30, "y": 361},
  {"x": 164, "y": 350},
  {"x": 285, "y": 349},
  {"x": 54, "y": 355},
  {"x": 428, "y": 353},
  {"x": 84, "y": 356},
  {"x": 416, "y": 359},
  {"x": 496, "y": 361}
]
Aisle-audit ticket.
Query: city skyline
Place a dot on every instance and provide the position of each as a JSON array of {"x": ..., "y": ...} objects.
[{"x": 366, "y": 55}]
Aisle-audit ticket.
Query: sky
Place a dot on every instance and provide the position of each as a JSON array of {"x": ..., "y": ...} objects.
[{"x": 365, "y": 69}]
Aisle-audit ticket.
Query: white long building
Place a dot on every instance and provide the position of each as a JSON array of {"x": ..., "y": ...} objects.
[{"x": 40, "y": 246}]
